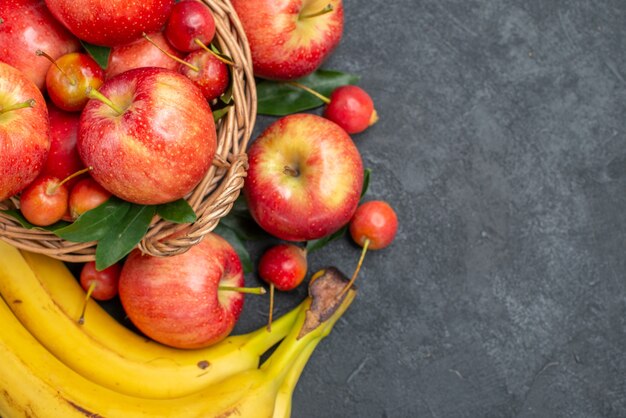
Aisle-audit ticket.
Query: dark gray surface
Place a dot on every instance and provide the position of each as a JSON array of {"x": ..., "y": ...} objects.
[{"x": 501, "y": 144}]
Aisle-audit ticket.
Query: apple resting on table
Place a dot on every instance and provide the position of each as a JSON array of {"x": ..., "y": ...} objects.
[
  {"x": 150, "y": 137},
  {"x": 24, "y": 131},
  {"x": 28, "y": 26},
  {"x": 290, "y": 38},
  {"x": 305, "y": 178},
  {"x": 175, "y": 300}
]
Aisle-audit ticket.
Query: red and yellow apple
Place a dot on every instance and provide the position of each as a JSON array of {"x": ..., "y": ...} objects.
[
  {"x": 150, "y": 139},
  {"x": 305, "y": 178},
  {"x": 175, "y": 300},
  {"x": 290, "y": 38},
  {"x": 28, "y": 26},
  {"x": 111, "y": 22},
  {"x": 24, "y": 131}
]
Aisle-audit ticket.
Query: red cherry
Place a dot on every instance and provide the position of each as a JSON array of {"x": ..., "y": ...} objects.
[
  {"x": 105, "y": 281},
  {"x": 87, "y": 194},
  {"x": 351, "y": 108},
  {"x": 212, "y": 77},
  {"x": 189, "y": 20},
  {"x": 68, "y": 79},
  {"x": 375, "y": 221},
  {"x": 283, "y": 265}
]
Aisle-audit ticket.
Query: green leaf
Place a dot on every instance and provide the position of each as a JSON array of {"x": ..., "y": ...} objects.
[
  {"x": 178, "y": 211},
  {"x": 367, "y": 173},
  {"x": 96, "y": 223},
  {"x": 316, "y": 244},
  {"x": 237, "y": 244},
  {"x": 124, "y": 236},
  {"x": 100, "y": 54},
  {"x": 17, "y": 215},
  {"x": 220, "y": 113},
  {"x": 280, "y": 99}
]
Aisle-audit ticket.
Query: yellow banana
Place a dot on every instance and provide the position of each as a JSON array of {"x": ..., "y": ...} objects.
[
  {"x": 33, "y": 382},
  {"x": 108, "y": 353}
]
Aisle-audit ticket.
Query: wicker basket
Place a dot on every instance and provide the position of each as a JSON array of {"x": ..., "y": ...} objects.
[{"x": 212, "y": 199}]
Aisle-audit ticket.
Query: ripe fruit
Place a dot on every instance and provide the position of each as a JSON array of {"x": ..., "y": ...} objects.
[
  {"x": 376, "y": 222},
  {"x": 69, "y": 77},
  {"x": 99, "y": 284},
  {"x": 351, "y": 108},
  {"x": 284, "y": 266},
  {"x": 290, "y": 39},
  {"x": 150, "y": 136},
  {"x": 176, "y": 301},
  {"x": 141, "y": 53},
  {"x": 28, "y": 26},
  {"x": 87, "y": 194},
  {"x": 63, "y": 158},
  {"x": 304, "y": 179},
  {"x": 111, "y": 22},
  {"x": 212, "y": 75},
  {"x": 190, "y": 20},
  {"x": 44, "y": 201},
  {"x": 24, "y": 127}
]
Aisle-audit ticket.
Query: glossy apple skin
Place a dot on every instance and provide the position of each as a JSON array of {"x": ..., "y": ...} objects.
[
  {"x": 29, "y": 26},
  {"x": 63, "y": 158},
  {"x": 325, "y": 194},
  {"x": 87, "y": 194},
  {"x": 84, "y": 72},
  {"x": 24, "y": 133},
  {"x": 284, "y": 265},
  {"x": 352, "y": 108},
  {"x": 284, "y": 47},
  {"x": 111, "y": 22},
  {"x": 44, "y": 201},
  {"x": 107, "y": 280},
  {"x": 175, "y": 300},
  {"x": 190, "y": 19},
  {"x": 159, "y": 148},
  {"x": 213, "y": 77},
  {"x": 141, "y": 53},
  {"x": 374, "y": 220}
]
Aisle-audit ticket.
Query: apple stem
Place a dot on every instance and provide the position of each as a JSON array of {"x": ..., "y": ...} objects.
[
  {"x": 21, "y": 105},
  {"x": 309, "y": 90},
  {"x": 53, "y": 189},
  {"x": 40, "y": 53},
  {"x": 291, "y": 171},
  {"x": 92, "y": 287},
  {"x": 95, "y": 94},
  {"x": 356, "y": 271},
  {"x": 271, "y": 316},
  {"x": 174, "y": 57},
  {"x": 327, "y": 9},
  {"x": 249, "y": 290},
  {"x": 215, "y": 54}
]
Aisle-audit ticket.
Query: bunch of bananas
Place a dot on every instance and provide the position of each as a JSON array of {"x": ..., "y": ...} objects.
[{"x": 51, "y": 366}]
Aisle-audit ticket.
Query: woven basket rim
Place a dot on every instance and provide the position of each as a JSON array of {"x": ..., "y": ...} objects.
[{"x": 212, "y": 198}]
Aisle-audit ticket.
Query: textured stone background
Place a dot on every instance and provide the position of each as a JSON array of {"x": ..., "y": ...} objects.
[{"x": 502, "y": 146}]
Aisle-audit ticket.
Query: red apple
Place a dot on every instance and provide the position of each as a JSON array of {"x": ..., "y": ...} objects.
[
  {"x": 44, "y": 201},
  {"x": 212, "y": 77},
  {"x": 24, "y": 131},
  {"x": 86, "y": 195},
  {"x": 374, "y": 221},
  {"x": 284, "y": 266},
  {"x": 141, "y": 53},
  {"x": 154, "y": 140},
  {"x": 305, "y": 178},
  {"x": 175, "y": 300},
  {"x": 63, "y": 158},
  {"x": 111, "y": 22},
  {"x": 104, "y": 282},
  {"x": 291, "y": 38},
  {"x": 28, "y": 26}
]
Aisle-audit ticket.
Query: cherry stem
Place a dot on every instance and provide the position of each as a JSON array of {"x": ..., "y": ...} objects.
[
  {"x": 53, "y": 189},
  {"x": 21, "y": 105},
  {"x": 95, "y": 94},
  {"x": 209, "y": 50},
  {"x": 174, "y": 57},
  {"x": 327, "y": 9},
  {"x": 92, "y": 287},
  {"x": 249, "y": 290},
  {"x": 291, "y": 171},
  {"x": 309, "y": 90},
  {"x": 366, "y": 244},
  {"x": 271, "y": 316},
  {"x": 40, "y": 53}
]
